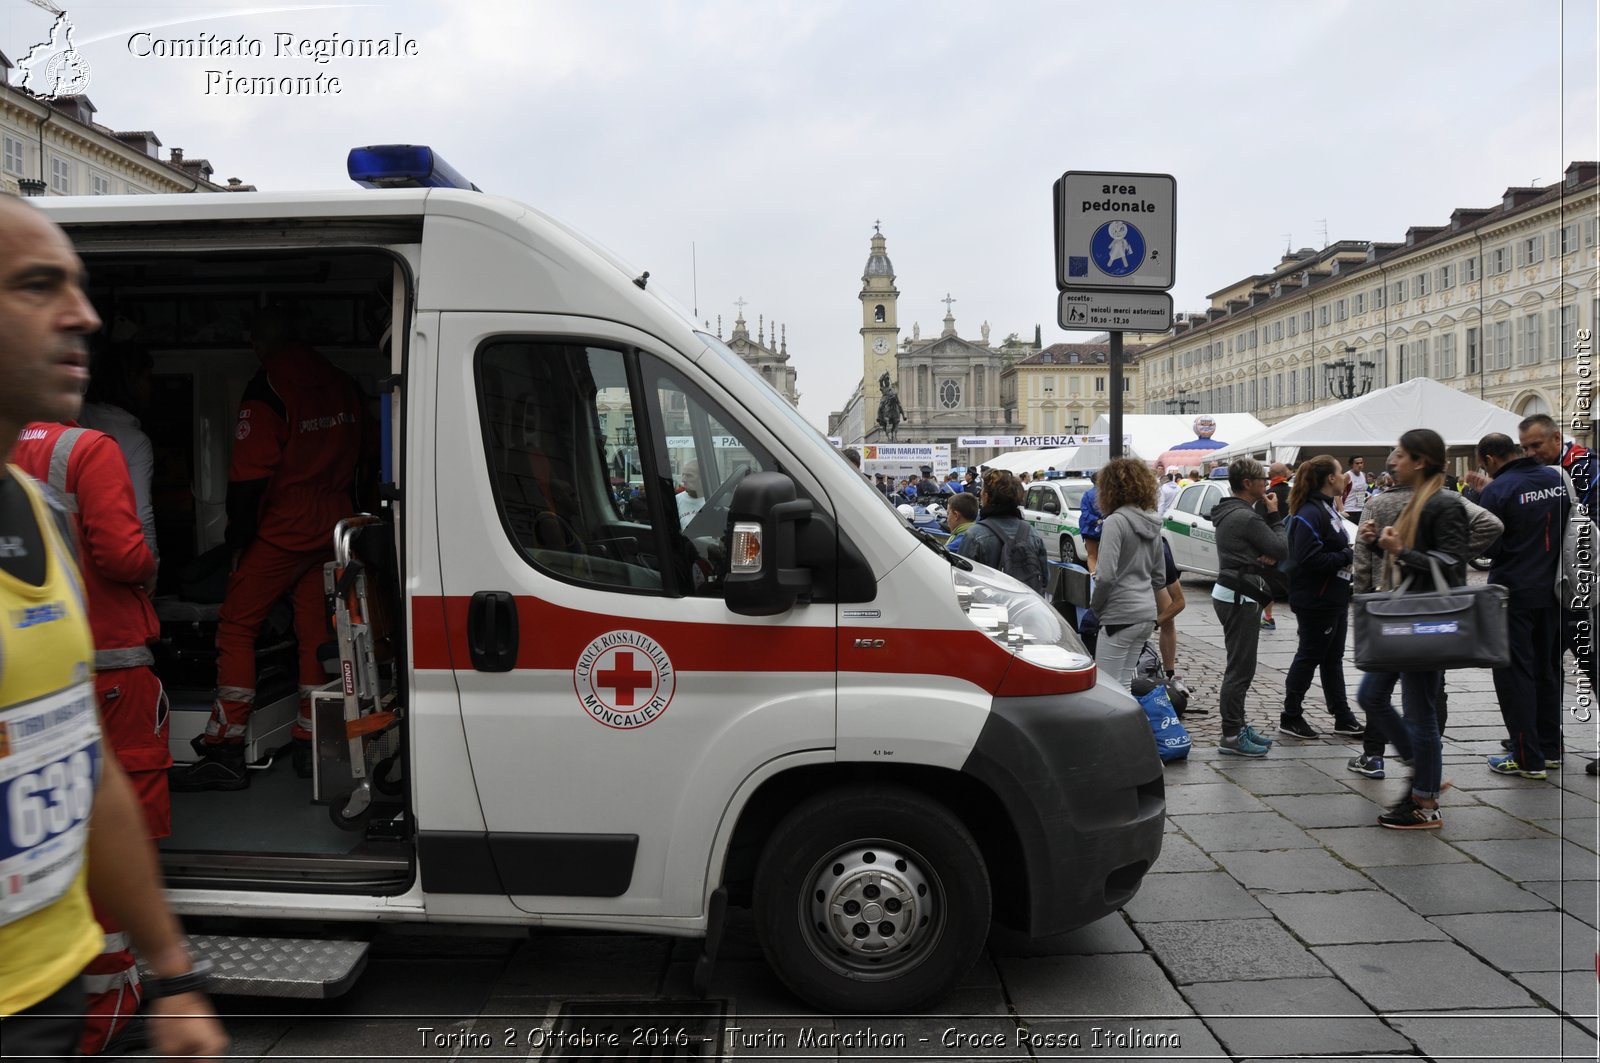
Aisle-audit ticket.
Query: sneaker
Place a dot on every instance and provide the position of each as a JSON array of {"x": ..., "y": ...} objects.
[
  {"x": 1268, "y": 624},
  {"x": 1408, "y": 815},
  {"x": 1349, "y": 725},
  {"x": 1240, "y": 745},
  {"x": 300, "y": 757},
  {"x": 1370, "y": 765},
  {"x": 221, "y": 768},
  {"x": 1507, "y": 765},
  {"x": 1256, "y": 736},
  {"x": 1296, "y": 727}
]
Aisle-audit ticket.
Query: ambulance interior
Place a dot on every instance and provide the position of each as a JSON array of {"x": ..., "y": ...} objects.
[{"x": 191, "y": 312}]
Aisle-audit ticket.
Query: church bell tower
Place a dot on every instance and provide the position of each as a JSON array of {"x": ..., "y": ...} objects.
[{"x": 879, "y": 332}]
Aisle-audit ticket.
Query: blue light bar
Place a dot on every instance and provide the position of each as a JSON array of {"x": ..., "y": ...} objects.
[{"x": 403, "y": 166}]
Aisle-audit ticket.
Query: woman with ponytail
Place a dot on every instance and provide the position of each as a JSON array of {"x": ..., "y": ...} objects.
[
  {"x": 1433, "y": 528},
  {"x": 1320, "y": 558}
]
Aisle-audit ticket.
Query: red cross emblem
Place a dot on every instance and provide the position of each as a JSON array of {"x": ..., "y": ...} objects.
[{"x": 624, "y": 679}]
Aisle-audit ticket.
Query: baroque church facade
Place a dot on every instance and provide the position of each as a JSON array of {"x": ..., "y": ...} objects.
[
  {"x": 772, "y": 362},
  {"x": 946, "y": 386}
]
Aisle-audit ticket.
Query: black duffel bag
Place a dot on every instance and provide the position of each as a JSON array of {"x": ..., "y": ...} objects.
[{"x": 1430, "y": 631}]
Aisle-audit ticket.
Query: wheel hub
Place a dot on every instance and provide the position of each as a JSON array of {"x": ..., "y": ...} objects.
[{"x": 870, "y": 905}]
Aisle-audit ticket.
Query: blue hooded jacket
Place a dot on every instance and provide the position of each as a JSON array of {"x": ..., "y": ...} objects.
[{"x": 1531, "y": 499}]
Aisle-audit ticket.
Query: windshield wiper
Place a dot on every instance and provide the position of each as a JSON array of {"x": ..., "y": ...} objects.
[{"x": 933, "y": 543}]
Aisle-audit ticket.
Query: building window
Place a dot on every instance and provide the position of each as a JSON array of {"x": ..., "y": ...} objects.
[
  {"x": 1499, "y": 261},
  {"x": 1397, "y": 292},
  {"x": 1322, "y": 315},
  {"x": 1277, "y": 385},
  {"x": 1446, "y": 277},
  {"x": 1099, "y": 385},
  {"x": 1528, "y": 340},
  {"x": 1447, "y": 356},
  {"x": 61, "y": 175},
  {"x": 877, "y": 314},
  {"x": 1419, "y": 358},
  {"x": 1401, "y": 352},
  {"x": 1341, "y": 310},
  {"x": 1294, "y": 325},
  {"x": 1591, "y": 229},
  {"x": 1563, "y": 329},
  {"x": 1469, "y": 269},
  {"x": 1530, "y": 251},
  {"x": 1277, "y": 330},
  {"x": 1565, "y": 239},
  {"x": 1499, "y": 346},
  {"x": 1419, "y": 284},
  {"x": 1361, "y": 303},
  {"x": 99, "y": 184},
  {"x": 1310, "y": 388},
  {"x": 1127, "y": 384},
  {"x": 1472, "y": 351},
  {"x": 14, "y": 155},
  {"x": 1251, "y": 336},
  {"x": 1377, "y": 298},
  {"x": 1294, "y": 387},
  {"x": 949, "y": 394}
]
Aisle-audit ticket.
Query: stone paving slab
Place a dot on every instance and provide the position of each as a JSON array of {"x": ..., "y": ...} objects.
[
  {"x": 1376, "y": 847},
  {"x": 1180, "y": 854},
  {"x": 1220, "y": 796},
  {"x": 1243, "y": 830},
  {"x": 1575, "y": 829},
  {"x": 1090, "y": 987},
  {"x": 1291, "y": 871},
  {"x": 1579, "y": 897},
  {"x": 1337, "y": 808},
  {"x": 1223, "y": 952},
  {"x": 1481, "y": 822},
  {"x": 1506, "y": 1034},
  {"x": 1534, "y": 859},
  {"x": 1299, "y": 1015},
  {"x": 1346, "y": 918},
  {"x": 1107, "y": 935},
  {"x": 1534, "y": 941},
  {"x": 1571, "y": 992},
  {"x": 1455, "y": 889},
  {"x": 1533, "y": 800},
  {"x": 1286, "y": 779},
  {"x": 1193, "y": 896},
  {"x": 1421, "y": 976}
]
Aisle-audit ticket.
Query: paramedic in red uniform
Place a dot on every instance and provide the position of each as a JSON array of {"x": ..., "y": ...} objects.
[
  {"x": 291, "y": 479},
  {"x": 90, "y": 475}
]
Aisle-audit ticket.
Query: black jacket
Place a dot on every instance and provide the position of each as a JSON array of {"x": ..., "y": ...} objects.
[
  {"x": 1532, "y": 501},
  {"x": 1319, "y": 552},
  {"x": 1443, "y": 532}
]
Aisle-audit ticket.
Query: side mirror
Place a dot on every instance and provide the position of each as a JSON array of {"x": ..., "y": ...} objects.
[{"x": 764, "y": 578}]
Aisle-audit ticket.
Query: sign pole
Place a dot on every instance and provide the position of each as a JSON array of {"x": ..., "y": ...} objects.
[{"x": 1116, "y": 394}]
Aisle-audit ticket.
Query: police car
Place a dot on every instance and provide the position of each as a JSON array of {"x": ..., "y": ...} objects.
[
  {"x": 1052, "y": 508},
  {"x": 1191, "y": 535}
]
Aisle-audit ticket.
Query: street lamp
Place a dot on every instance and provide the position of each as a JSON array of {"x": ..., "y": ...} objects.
[
  {"x": 1341, "y": 375},
  {"x": 1180, "y": 404}
]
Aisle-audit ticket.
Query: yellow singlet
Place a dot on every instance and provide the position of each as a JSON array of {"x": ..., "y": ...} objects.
[{"x": 49, "y": 768}]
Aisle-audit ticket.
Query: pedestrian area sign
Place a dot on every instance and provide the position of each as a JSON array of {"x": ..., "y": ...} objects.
[
  {"x": 1120, "y": 310},
  {"x": 1115, "y": 231}
]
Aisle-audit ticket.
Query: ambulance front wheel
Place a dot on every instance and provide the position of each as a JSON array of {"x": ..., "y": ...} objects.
[{"x": 871, "y": 899}]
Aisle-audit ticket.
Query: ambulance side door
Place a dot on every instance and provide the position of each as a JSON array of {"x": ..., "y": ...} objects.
[{"x": 612, "y": 703}]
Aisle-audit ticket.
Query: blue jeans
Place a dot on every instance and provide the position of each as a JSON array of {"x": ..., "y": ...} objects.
[{"x": 1417, "y": 739}]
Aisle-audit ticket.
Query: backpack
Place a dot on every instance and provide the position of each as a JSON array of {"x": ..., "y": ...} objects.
[
  {"x": 1172, "y": 738},
  {"x": 1019, "y": 556}
]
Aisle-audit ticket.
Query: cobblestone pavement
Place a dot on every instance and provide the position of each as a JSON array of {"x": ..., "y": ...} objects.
[{"x": 1280, "y": 922}]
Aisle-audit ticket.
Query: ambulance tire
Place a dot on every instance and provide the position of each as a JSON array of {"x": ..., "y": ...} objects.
[{"x": 836, "y": 880}]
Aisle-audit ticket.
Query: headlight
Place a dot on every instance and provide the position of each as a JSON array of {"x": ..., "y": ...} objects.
[{"x": 1016, "y": 617}]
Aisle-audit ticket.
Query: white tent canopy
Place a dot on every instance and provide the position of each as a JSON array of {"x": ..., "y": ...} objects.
[
  {"x": 1374, "y": 421},
  {"x": 1033, "y": 460}
]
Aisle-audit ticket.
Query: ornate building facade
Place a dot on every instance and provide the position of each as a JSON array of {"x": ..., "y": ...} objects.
[
  {"x": 1063, "y": 388},
  {"x": 1490, "y": 303},
  {"x": 55, "y": 147},
  {"x": 947, "y": 385},
  {"x": 772, "y": 362}
]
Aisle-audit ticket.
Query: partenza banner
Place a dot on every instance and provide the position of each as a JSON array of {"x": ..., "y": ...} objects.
[{"x": 1023, "y": 442}]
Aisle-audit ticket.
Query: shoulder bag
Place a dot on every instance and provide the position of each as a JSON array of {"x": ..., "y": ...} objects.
[{"x": 1431, "y": 631}]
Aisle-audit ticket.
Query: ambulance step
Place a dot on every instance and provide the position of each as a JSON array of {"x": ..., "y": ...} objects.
[{"x": 300, "y": 968}]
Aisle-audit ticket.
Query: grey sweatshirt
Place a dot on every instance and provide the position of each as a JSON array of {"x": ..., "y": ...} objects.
[{"x": 1130, "y": 568}]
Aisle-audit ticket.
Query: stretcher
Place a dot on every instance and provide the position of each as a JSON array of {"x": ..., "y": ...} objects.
[{"x": 354, "y": 720}]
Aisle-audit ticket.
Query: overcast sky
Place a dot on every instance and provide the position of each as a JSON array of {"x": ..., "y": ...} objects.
[{"x": 770, "y": 135}]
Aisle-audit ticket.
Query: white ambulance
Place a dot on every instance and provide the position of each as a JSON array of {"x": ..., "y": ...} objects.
[{"x": 595, "y": 701}]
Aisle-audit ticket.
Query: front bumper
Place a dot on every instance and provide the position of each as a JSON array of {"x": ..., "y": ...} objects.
[{"x": 1079, "y": 776}]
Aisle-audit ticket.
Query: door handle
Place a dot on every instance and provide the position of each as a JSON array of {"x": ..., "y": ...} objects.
[{"x": 492, "y": 633}]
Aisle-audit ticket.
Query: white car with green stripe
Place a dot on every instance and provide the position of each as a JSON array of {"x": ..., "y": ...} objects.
[
  {"x": 1191, "y": 535},
  {"x": 1051, "y": 507}
]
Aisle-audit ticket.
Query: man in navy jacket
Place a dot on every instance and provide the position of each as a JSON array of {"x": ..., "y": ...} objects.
[{"x": 1531, "y": 500}]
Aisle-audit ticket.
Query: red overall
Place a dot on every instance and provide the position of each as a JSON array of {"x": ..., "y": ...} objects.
[
  {"x": 299, "y": 432},
  {"x": 88, "y": 470}
]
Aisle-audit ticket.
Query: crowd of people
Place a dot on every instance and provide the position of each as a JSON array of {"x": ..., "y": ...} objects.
[{"x": 1283, "y": 533}]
